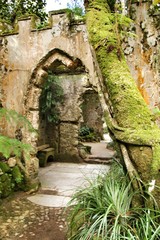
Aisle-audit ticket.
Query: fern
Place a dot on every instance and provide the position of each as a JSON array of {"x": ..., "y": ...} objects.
[
  {"x": 12, "y": 116},
  {"x": 10, "y": 146}
]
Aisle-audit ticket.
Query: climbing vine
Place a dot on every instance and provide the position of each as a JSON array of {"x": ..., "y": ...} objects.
[{"x": 52, "y": 96}]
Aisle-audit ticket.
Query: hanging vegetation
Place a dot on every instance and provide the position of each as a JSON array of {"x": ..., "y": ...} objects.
[{"x": 52, "y": 96}]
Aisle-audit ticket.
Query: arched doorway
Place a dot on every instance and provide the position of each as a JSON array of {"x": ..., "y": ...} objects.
[{"x": 73, "y": 79}]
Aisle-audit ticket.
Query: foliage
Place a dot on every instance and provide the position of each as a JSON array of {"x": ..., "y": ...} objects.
[
  {"x": 11, "y": 179},
  {"x": 156, "y": 2},
  {"x": 76, "y": 7},
  {"x": 42, "y": 25},
  {"x": 11, "y": 9},
  {"x": 17, "y": 175},
  {"x": 11, "y": 146},
  {"x": 15, "y": 118},
  {"x": 87, "y": 134},
  {"x": 52, "y": 95},
  {"x": 111, "y": 4},
  {"x": 103, "y": 211}
]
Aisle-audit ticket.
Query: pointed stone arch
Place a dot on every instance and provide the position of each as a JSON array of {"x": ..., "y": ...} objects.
[
  {"x": 75, "y": 80},
  {"x": 58, "y": 62}
]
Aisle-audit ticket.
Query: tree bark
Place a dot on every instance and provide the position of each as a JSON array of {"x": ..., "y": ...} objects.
[{"x": 129, "y": 118}]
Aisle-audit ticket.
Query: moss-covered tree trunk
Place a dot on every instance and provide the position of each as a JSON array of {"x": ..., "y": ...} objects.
[{"x": 130, "y": 120}]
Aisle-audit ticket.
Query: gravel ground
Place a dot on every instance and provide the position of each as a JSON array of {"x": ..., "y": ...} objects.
[{"x": 21, "y": 219}]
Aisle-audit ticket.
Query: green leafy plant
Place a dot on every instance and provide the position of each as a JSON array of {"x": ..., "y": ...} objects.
[
  {"x": 52, "y": 96},
  {"x": 87, "y": 134},
  {"x": 11, "y": 146},
  {"x": 42, "y": 25},
  {"x": 103, "y": 211},
  {"x": 12, "y": 179},
  {"x": 15, "y": 118},
  {"x": 77, "y": 8},
  {"x": 11, "y": 9}
]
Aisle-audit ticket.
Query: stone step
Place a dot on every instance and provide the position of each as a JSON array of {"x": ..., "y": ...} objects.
[
  {"x": 98, "y": 161},
  {"x": 42, "y": 147},
  {"x": 47, "y": 149},
  {"x": 108, "y": 157}
]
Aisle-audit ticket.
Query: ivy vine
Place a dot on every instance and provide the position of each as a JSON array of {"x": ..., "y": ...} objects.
[{"x": 51, "y": 97}]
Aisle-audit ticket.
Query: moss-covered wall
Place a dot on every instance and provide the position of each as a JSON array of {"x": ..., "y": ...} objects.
[
  {"x": 11, "y": 179},
  {"x": 128, "y": 115},
  {"x": 27, "y": 52}
]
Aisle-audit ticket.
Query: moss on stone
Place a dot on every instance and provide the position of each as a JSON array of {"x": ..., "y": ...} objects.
[
  {"x": 6, "y": 185},
  {"x": 17, "y": 175},
  {"x": 4, "y": 167},
  {"x": 131, "y": 120}
]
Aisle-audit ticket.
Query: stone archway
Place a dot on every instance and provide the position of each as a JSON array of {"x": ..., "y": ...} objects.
[
  {"x": 74, "y": 80},
  {"x": 92, "y": 113}
]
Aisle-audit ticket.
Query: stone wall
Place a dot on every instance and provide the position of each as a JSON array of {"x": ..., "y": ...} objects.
[
  {"x": 143, "y": 52},
  {"x": 92, "y": 113},
  {"x": 28, "y": 54}
]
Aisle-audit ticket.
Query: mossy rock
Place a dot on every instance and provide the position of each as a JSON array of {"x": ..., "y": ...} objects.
[
  {"x": 17, "y": 175},
  {"x": 4, "y": 167},
  {"x": 18, "y": 178},
  {"x": 6, "y": 185}
]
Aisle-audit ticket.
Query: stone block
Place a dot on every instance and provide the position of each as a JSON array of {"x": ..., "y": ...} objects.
[{"x": 44, "y": 155}]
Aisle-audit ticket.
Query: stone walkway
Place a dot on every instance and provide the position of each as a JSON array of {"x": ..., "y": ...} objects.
[{"x": 60, "y": 180}]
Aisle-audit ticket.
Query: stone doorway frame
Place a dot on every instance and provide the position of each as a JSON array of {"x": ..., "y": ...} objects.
[{"x": 38, "y": 77}]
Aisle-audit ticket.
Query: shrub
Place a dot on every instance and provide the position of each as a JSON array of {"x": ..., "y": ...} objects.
[
  {"x": 104, "y": 211},
  {"x": 87, "y": 134}
]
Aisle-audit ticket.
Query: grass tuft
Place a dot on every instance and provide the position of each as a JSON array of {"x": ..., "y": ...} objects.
[{"x": 103, "y": 211}]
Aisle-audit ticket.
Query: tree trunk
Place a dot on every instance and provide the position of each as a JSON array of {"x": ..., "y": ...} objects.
[{"x": 129, "y": 118}]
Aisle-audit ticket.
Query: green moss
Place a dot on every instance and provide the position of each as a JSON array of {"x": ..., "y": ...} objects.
[
  {"x": 156, "y": 160},
  {"x": 31, "y": 185},
  {"x": 6, "y": 28},
  {"x": 6, "y": 185},
  {"x": 17, "y": 175},
  {"x": 4, "y": 167},
  {"x": 129, "y": 108},
  {"x": 131, "y": 121}
]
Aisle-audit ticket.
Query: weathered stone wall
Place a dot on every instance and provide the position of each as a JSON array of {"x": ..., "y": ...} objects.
[
  {"x": 64, "y": 138},
  {"x": 63, "y": 48},
  {"x": 92, "y": 112},
  {"x": 143, "y": 52},
  {"x": 27, "y": 56}
]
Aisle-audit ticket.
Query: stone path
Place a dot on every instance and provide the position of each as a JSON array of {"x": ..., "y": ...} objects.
[{"x": 60, "y": 180}]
